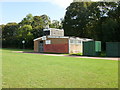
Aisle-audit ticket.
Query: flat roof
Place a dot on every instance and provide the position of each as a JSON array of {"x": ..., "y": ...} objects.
[
  {"x": 58, "y": 37},
  {"x": 83, "y": 39},
  {"x": 78, "y": 38},
  {"x": 37, "y": 39},
  {"x": 52, "y": 29}
]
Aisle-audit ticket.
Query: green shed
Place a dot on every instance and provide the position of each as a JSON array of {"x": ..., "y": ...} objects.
[
  {"x": 92, "y": 48},
  {"x": 113, "y": 49}
]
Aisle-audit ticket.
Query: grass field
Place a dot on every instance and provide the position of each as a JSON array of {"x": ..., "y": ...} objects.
[{"x": 22, "y": 70}]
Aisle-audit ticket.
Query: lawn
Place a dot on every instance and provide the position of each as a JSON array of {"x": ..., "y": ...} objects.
[{"x": 21, "y": 70}]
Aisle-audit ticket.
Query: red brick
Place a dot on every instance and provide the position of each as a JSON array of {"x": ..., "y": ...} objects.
[{"x": 56, "y": 48}]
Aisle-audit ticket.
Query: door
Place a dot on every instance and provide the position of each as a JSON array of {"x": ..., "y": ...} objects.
[{"x": 41, "y": 46}]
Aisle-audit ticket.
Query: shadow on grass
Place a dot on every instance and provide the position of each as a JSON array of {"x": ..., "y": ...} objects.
[
  {"x": 101, "y": 55},
  {"x": 74, "y": 55},
  {"x": 17, "y": 49}
]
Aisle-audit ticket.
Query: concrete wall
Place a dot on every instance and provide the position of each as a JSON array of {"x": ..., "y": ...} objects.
[
  {"x": 75, "y": 48},
  {"x": 75, "y": 45},
  {"x": 56, "y": 32}
]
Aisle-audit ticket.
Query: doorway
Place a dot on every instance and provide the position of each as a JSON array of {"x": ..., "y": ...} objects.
[{"x": 41, "y": 46}]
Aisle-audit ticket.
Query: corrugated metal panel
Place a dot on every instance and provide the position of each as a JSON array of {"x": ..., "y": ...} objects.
[
  {"x": 91, "y": 48},
  {"x": 113, "y": 49}
]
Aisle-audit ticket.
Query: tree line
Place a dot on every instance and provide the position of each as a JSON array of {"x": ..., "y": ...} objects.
[
  {"x": 30, "y": 28},
  {"x": 96, "y": 20}
]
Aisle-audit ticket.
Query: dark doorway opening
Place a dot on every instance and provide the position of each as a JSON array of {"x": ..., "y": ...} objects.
[{"x": 41, "y": 46}]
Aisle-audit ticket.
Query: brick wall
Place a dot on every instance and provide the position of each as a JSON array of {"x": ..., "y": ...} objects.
[
  {"x": 58, "y": 40},
  {"x": 56, "y": 48}
]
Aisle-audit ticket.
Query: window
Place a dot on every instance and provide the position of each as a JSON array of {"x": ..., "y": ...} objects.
[
  {"x": 46, "y": 33},
  {"x": 78, "y": 42},
  {"x": 44, "y": 38},
  {"x": 48, "y": 42},
  {"x": 74, "y": 41},
  {"x": 71, "y": 41}
]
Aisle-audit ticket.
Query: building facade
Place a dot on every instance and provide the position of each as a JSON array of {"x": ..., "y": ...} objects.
[{"x": 54, "y": 41}]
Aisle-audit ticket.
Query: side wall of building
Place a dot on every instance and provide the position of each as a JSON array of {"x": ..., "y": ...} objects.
[
  {"x": 75, "y": 48},
  {"x": 57, "y": 32},
  {"x": 58, "y": 45},
  {"x": 75, "y": 45},
  {"x": 56, "y": 48},
  {"x": 36, "y": 45}
]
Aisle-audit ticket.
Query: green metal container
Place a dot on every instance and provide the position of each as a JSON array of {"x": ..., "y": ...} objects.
[
  {"x": 92, "y": 48},
  {"x": 113, "y": 49}
]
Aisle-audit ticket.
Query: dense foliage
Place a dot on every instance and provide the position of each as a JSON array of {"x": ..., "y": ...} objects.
[
  {"x": 97, "y": 20},
  {"x": 29, "y": 28}
]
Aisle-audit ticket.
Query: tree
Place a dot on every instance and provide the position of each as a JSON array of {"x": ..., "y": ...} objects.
[
  {"x": 37, "y": 31},
  {"x": 46, "y": 21},
  {"x": 27, "y": 20},
  {"x": 25, "y": 32},
  {"x": 76, "y": 18},
  {"x": 105, "y": 26},
  {"x": 9, "y": 31},
  {"x": 96, "y": 20},
  {"x": 28, "y": 29},
  {"x": 109, "y": 28},
  {"x": 86, "y": 19},
  {"x": 114, "y": 14},
  {"x": 1, "y": 30},
  {"x": 37, "y": 21},
  {"x": 38, "y": 24},
  {"x": 55, "y": 24}
]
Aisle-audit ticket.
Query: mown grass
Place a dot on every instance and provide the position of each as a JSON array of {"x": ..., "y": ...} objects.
[{"x": 22, "y": 70}]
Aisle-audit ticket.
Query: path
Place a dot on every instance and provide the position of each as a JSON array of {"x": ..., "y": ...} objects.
[{"x": 106, "y": 58}]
